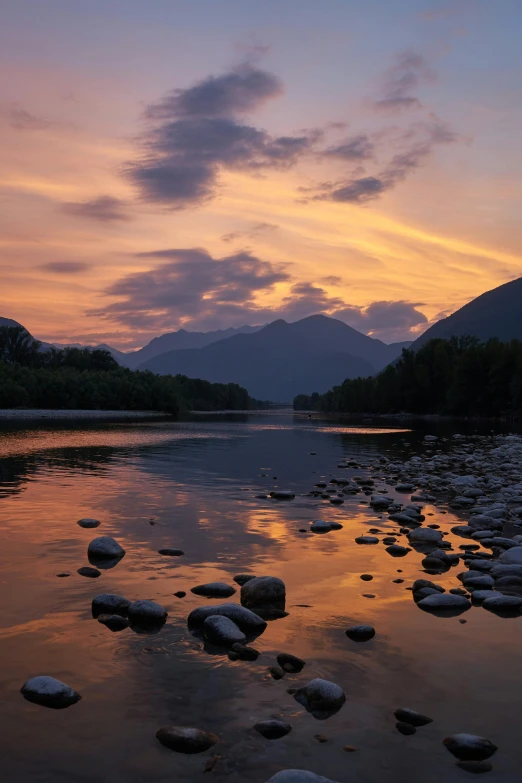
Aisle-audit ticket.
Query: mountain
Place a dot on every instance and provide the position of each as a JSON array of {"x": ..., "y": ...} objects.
[
  {"x": 180, "y": 340},
  {"x": 281, "y": 359},
  {"x": 497, "y": 313},
  {"x": 10, "y": 322}
]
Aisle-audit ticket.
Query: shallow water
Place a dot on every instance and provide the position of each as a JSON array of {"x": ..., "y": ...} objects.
[{"x": 193, "y": 485}]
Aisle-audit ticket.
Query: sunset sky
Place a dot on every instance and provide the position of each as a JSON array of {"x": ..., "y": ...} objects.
[{"x": 206, "y": 164}]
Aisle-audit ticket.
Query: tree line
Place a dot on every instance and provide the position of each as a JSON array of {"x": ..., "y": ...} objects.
[
  {"x": 460, "y": 376},
  {"x": 81, "y": 378}
]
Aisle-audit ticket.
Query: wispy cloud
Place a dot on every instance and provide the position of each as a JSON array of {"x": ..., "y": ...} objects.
[
  {"x": 401, "y": 81},
  {"x": 66, "y": 267},
  {"x": 105, "y": 209}
]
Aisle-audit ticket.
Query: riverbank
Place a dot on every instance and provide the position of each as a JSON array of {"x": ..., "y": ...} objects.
[{"x": 35, "y": 414}]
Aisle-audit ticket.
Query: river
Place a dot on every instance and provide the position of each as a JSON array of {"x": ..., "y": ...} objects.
[{"x": 194, "y": 485}]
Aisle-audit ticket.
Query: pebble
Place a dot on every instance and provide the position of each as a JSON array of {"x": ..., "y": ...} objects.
[
  {"x": 395, "y": 550},
  {"x": 49, "y": 692},
  {"x": 272, "y": 729},
  {"x": 186, "y": 740},
  {"x": 366, "y": 577},
  {"x": 180, "y": 594},
  {"x": 88, "y": 523},
  {"x": 242, "y": 617},
  {"x": 89, "y": 572},
  {"x": 366, "y": 540},
  {"x": 169, "y": 552},
  {"x": 263, "y": 594}
]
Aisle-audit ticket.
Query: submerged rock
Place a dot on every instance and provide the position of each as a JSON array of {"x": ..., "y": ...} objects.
[
  {"x": 170, "y": 552},
  {"x": 282, "y": 494},
  {"x": 186, "y": 740},
  {"x": 405, "y": 728},
  {"x": 114, "y": 622},
  {"x": 321, "y": 698},
  {"x": 290, "y": 663},
  {"x": 272, "y": 729},
  {"x": 245, "y": 653},
  {"x": 49, "y": 692},
  {"x": 469, "y": 747}
]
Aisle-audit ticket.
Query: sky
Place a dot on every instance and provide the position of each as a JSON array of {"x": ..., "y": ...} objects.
[{"x": 200, "y": 165}]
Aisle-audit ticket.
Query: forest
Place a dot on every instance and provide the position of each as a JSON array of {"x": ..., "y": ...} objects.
[
  {"x": 80, "y": 378},
  {"x": 460, "y": 376}
]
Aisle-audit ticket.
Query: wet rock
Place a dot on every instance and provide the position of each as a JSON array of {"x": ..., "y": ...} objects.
[
  {"x": 89, "y": 572},
  {"x": 105, "y": 547},
  {"x": 290, "y": 663},
  {"x": 170, "y": 552},
  {"x": 478, "y": 596},
  {"x": 479, "y": 583},
  {"x": 180, "y": 594},
  {"x": 245, "y": 653},
  {"x": 320, "y": 526},
  {"x": 469, "y": 747},
  {"x": 110, "y": 603},
  {"x": 405, "y": 728},
  {"x": 186, "y": 740},
  {"x": 366, "y": 577},
  {"x": 360, "y": 633},
  {"x": 321, "y": 698},
  {"x": 366, "y": 540},
  {"x": 512, "y": 556},
  {"x": 276, "y": 672},
  {"x": 337, "y": 501},
  {"x": 86, "y": 522},
  {"x": 445, "y": 604},
  {"x": 298, "y": 776},
  {"x": 63, "y": 574},
  {"x": 114, "y": 622},
  {"x": 458, "y": 591},
  {"x": 147, "y": 613},
  {"x": 504, "y": 569},
  {"x": 263, "y": 595},
  {"x": 223, "y": 631},
  {"x": 272, "y": 729},
  {"x": 49, "y": 692},
  {"x": 405, "y": 715},
  {"x": 282, "y": 494},
  {"x": 242, "y": 617},
  {"x": 213, "y": 590},
  {"x": 395, "y": 550},
  {"x": 420, "y": 583},
  {"x": 434, "y": 564},
  {"x": 389, "y": 540},
  {"x": 424, "y": 592},
  {"x": 242, "y": 579}
]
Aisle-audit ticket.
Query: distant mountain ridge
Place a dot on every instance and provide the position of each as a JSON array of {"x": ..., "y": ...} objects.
[
  {"x": 496, "y": 313},
  {"x": 282, "y": 359}
]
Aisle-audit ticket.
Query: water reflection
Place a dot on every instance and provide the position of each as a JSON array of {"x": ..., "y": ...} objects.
[{"x": 193, "y": 486}]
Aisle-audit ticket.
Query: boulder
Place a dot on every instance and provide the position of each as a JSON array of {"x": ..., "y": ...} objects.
[
  {"x": 109, "y": 603},
  {"x": 321, "y": 698},
  {"x": 147, "y": 613},
  {"x": 264, "y": 594},
  {"x": 219, "y": 629},
  {"x": 103, "y": 548}
]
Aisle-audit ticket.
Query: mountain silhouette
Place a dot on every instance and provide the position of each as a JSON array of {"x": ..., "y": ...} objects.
[
  {"x": 281, "y": 359},
  {"x": 497, "y": 313}
]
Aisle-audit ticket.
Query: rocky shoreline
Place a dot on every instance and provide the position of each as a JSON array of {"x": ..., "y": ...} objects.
[{"x": 30, "y": 414}]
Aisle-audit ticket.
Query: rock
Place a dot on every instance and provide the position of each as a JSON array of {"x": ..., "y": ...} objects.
[
  {"x": 503, "y": 605},
  {"x": 49, "y": 692},
  {"x": 298, "y": 776},
  {"x": 223, "y": 631},
  {"x": 366, "y": 540},
  {"x": 290, "y": 663},
  {"x": 405, "y": 728},
  {"x": 276, "y": 672},
  {"x": 321, "y": 698},
  {"x": 242, "y": 579},
  {"x": 366, "y": 577},
  {"x": 445, "y": 604},
  {"x": 245, "y": 653},
  {"x": 320, "y": 526},
  {"x": 469, "y": 747},
  {"x": 109, "y": 603},
  {"x": 434, "y": 564},
  {"x": 213, "y": 590},
  {"x": 405, "y": 715},
  {"x": 479, "y": 583},
  {"x": 272, "y": 729},
  {"x": 477, "y": 596},
  {"x": 425, "y": 535},
  {"x": 186, "y": 740},
  {"x": 395, "y": 550},
  {"x": 63, "y": 574},
  {"x": 512, "y": 556},
  {"x": 477, "y": 767},
  {"x": 105, "y": 547},
  {"x": 244, "y": 618},
  {"x": 505, "y": 569},
  {"x": 114, "y": 622},
  {"x": 180, "y": 594},
  {"x": 88, "y": 571},
  {"x": 263, "y": 594},
  {"x": 360, "y": 633},
  {"x": 424, "y": 592},
  {"x": 169, "y": 552},
  {"x": 147, "y": 613},
  {"x": 282, "y": 494},
  {"x": 88, "y": 523},
  {"x": 420, "y": 583}
]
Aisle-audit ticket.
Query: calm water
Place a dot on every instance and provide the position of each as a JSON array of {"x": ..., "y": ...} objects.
[{"x": 193, "y": 485}]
